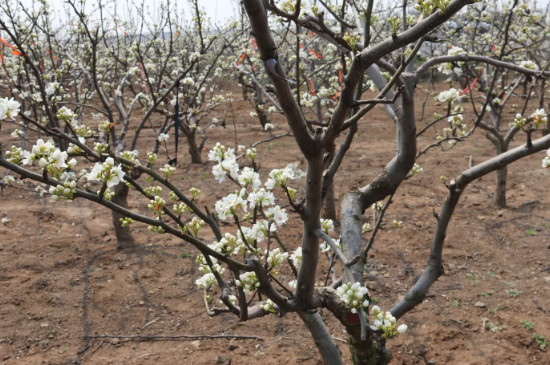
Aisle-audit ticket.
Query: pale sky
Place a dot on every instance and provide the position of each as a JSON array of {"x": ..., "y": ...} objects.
[{"x": 218, "y": 10}]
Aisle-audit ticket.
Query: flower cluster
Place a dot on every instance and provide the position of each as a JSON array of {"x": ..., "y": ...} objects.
[
  {"x": 261, "y": 198},
  {"x": 126, "y": 221},
  {"x": 327, "y": 225},
  {"x": 107, "y": 194},
  {"x": 539, "y": 117},
  {"x": 206, "y": 281},
  {"x": 426, "y": 7},
  {"x": 65, "y": 114},
  {"x": 416, "y": 169},
  {"x": 15, "y": 155},
  {"x": 277, "y": 215},
  {"x": 546, "y": 159},
  {"x": 228, "y": 245},
  {"x": 181, "y": 208},
  {"x": 366, "y": 228},
  {"x": 386, "y": 322},
  {"x": 228, "y": 206},
  {"x": 249, "y": 177},
  {"x": 157, "y": 205},
  {"x": 456, "y": 129},
  {"x": 107, "y": 172},
  {"x": 275, "y": 258},
  {"x": 65, "y": 191},
  {"x": 296, "y": 257},
  {"x": 155, "y": 229},
  {"x": 529, "y": 65},
  {"x": 519, "y": 121},
  {"x": 448, "y": 96},
  {"x": 131, "y": 156},
  {"x": 248, "y": 281},
  {"x": 280, "y": 177},
  {"x": 352, "y": 296},
  {"x": 194, "y": 226},
  {"x": 167, "y": 170},
  {"x": 9, "y": 108},
  {"x": 268, "y": 306},
  {"x": 46, "y": 155},
  {"x": 226, "y": 162}
]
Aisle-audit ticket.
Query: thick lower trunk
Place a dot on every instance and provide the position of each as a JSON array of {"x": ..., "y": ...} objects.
[
  {"x": 123, "y": 234},
  {"x": 500, "y": 193},
  {"x": 194, "y": 149},
  {"x": 371, "y": 351}
]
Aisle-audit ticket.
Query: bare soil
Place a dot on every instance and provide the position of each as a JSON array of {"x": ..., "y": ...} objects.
[{"x": 62, "y": 281}]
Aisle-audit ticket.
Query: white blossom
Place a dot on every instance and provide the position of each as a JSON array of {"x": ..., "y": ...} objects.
[
  {"x": 296, "y": 257},
  {"x": 249, "y": 177},
  {"x": 449, "y": 96},
  {"x": 9, "y": 108},
  {"x": 106, "y": 172},
  {"x": 230, "y": 204},
  {"x": 352, "y": 295},
  {"x": 163, "y": 137},
  {"x": 277, "y": 214},
  {"x": 206, "y": 281},
  {"x": 248, "y": 281},
  {"x": 546, "y": 160},
  {"x": 261, "y": 198}
]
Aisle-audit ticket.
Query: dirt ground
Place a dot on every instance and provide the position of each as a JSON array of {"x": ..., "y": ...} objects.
[{"x": 63, "y": 283}]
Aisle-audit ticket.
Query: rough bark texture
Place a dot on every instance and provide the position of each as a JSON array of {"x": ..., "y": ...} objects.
[
  {"x": 123, "y": 235},
  {"x": 501, "y": 145},
  {"x": 350, "y": 233},
  {"x": 194, "y": 150},
  {"x": 372, "y": 349},
  {"x": 500, "y": 193}
]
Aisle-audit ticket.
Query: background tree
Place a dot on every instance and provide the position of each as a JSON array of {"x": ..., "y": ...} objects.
[{"x": 126, "y": 74}]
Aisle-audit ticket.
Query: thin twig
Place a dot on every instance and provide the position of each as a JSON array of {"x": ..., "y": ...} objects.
[
  {"x": 325, "y": 237},
  {"x": 176, "y": 337}
]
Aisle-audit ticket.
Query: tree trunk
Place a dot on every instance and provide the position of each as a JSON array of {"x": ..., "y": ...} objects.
[
  {"x": 123, "y": 235},
  {"x": 260, "y": 110},
  {"x": 372, "y": 349},
  {"x": 501, "y": 174},
  {"x": 321, "y": 336},
  {"x": 194, "y": 150},
  {"x": 500, "y": 191},
  {"x": 329, "y": 206}
]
